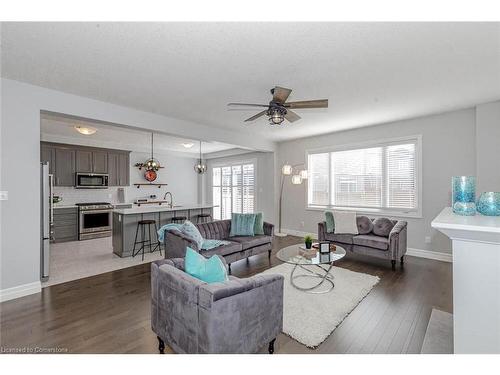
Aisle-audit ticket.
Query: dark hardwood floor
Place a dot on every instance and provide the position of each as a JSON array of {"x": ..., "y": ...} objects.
[{"x": 110, "y": 313}]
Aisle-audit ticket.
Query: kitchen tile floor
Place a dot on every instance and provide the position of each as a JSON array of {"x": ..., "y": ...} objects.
[{"x": 79, "y": 259}]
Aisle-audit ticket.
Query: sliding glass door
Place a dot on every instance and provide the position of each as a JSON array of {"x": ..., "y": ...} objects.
[{"x": 233, "y": 190}]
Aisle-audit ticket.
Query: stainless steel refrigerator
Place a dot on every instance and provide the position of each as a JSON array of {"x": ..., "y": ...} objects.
[{"x": 46, "y": 219}]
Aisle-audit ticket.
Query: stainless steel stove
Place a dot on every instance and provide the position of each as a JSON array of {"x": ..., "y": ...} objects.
[{"x": 94, "y": 220}]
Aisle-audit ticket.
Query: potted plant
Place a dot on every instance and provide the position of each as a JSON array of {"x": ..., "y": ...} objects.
[{"x": 308, "y": 240}]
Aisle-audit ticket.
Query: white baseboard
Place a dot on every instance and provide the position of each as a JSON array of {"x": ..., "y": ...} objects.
[
  {"x": 435, "y": 255},
  {"x": 20, "y": 291},
  {"x": 428, "y": 254}
]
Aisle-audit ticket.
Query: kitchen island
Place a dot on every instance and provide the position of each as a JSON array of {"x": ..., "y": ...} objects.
[{"x": 125, "y": 222}]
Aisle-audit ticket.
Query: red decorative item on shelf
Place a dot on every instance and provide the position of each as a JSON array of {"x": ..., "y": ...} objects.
[{"x": 150, "y": 175}]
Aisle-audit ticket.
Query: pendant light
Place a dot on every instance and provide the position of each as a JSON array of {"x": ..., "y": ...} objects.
[
  {"x": 200, "y": 167},
  {"x": 152, "y": 163}
]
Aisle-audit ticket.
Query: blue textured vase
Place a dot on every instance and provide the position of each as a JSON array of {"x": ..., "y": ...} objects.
[
  {"x": 463, "y": 195},
  {"x": 489, "y": 203}
]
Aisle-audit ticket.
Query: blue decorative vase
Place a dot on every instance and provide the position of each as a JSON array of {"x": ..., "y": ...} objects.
[
  {"x": 489, "y": 203},
  {"x": 463, "y": 195}
]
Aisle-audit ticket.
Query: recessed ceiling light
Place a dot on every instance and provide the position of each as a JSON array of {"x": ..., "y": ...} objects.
[
  {"x": 85, "y": 130},
  {"x": 188, "y": 145}
]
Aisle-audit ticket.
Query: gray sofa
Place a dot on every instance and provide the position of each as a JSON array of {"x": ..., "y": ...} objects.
[
  {"x": 382, "y": 238},
  {"x": 236, "y": 316},
  {"x": 240, "y": 247}
]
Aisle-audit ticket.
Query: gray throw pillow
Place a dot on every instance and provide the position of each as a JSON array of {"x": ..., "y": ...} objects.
[
  {"x": 382, "y": 227},
  {"x": 330, "y": 223},
  {"x": 365, "y": 225}
]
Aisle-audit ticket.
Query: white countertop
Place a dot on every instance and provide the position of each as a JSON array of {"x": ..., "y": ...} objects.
[
  {"x": 57, "y": 205},
  {"x": 477, "y": 223},
  {"x": 148, "y": 208}
]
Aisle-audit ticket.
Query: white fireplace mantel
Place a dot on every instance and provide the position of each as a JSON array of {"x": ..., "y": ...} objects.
[{"x": 476, "y": 280}]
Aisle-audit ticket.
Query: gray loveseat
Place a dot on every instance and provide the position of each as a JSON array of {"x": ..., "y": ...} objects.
[
  {"x": 240, "y": 247},
  {"x": 236, "y": 316},
  {"x": 381, "y": 238}
]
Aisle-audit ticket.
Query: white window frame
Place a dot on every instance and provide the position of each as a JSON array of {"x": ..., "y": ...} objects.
[
  {"x": 416, "y": 213},
  {"x": 231, "y": 164}
]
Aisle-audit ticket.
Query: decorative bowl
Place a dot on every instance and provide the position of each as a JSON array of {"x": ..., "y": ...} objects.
[{"x": 489, "y": 203}]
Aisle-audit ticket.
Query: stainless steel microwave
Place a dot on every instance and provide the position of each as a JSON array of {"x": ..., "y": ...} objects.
[{"x": 91, "y": 180}]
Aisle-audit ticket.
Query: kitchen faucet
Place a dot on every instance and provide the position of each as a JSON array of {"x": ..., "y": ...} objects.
[{"x": 171, "y": 204}]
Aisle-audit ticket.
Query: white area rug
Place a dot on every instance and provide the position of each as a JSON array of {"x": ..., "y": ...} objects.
[{"x": 311, "y": 318}]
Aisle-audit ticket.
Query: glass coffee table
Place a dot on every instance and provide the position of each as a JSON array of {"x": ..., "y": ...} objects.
[{"x": 311, "y": 261}]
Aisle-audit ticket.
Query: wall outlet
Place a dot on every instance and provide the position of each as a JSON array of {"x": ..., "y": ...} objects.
[
  {"x": 110, "y": 195},
  {"x": 4, "y": 195},
  {"x": 428, "y": 239},
  {"x": 302, "y": 224}
]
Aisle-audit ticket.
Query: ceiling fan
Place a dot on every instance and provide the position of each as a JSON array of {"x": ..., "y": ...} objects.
[{"x": 279, "y": 109}]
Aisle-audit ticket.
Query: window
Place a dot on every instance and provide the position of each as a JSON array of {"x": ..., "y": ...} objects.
[
  {"x": 381, "y": 177},
  {"x": 233, "y": 190}
]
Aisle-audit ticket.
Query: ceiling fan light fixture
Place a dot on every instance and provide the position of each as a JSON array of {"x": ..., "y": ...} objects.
[
  {"x": 276, "y": 115},
  {"x": 85, "y": 130},
  {"x": 188, "y": 145}
]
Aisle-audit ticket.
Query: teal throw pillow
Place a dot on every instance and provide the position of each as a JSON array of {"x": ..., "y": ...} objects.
[
  {"x": 210, "y": 270},
  {"x": 330, "y": 223},
  {"x": 190, "y": 230},
  {"x": 242, "y": 225},
  {"x": 258, "y": 228}
]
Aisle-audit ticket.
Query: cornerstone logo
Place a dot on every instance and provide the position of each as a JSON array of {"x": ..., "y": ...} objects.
[{"x": 32, "y": 350}]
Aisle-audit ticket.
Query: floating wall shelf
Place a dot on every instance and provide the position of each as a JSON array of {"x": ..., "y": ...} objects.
[
  {"x": 149, "y": 184},
  {"x": 140, "y": 166}
]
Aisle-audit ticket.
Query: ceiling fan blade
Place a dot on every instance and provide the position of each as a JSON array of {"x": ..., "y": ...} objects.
[
  {"x": 320, "y": 103},
  {"x": 281, "y": 94},
  {"x": 255, "y": 117},
  {"x": 247, "y": 105},
  {"x": 292, "y": 116}
]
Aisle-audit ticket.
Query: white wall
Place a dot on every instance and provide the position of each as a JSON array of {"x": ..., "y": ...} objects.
[
  {"x": 448, "y": 148},
  {"x": 488, "y": 147},
  {"x": 178, "y": 174},
  {"x": 264, "y": 178},
  {"x": 20, "y": 156}
]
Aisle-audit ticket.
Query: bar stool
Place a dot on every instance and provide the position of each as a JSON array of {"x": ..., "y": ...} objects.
[
  {"x": 145, "y": 242},
  {"x": 204, "y": 218},
  {"x": 178, "y": 219}
]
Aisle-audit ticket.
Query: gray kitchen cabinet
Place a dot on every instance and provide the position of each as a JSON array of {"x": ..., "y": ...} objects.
[
  {"x": 113, "y": 168},
  {"x": 48, "y": 154},
  {"x": 65, "y": 167},
  {"x": 89, "y": 161},
  {"x": 99, "y": 162},
  {"x": 119, "y": 168},
  {"x": 84, "y": 161},
  {"x": 124, "y": 169},
  {"x": 64, "y": 160},
  {"x": 65, "y": 224}
]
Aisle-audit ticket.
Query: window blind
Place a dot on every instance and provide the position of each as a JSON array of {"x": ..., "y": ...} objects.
[
  {"x": 382, "y": 177},
  {"x": 233, "y": 190}
]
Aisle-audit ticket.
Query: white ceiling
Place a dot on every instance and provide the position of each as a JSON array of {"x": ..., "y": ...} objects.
[
  {"x": 56, "y": 128},
  {"x": 370, "y": 72}
]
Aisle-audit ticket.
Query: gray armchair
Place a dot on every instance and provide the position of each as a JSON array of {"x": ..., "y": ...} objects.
[{"x": 191, "y": 316}]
